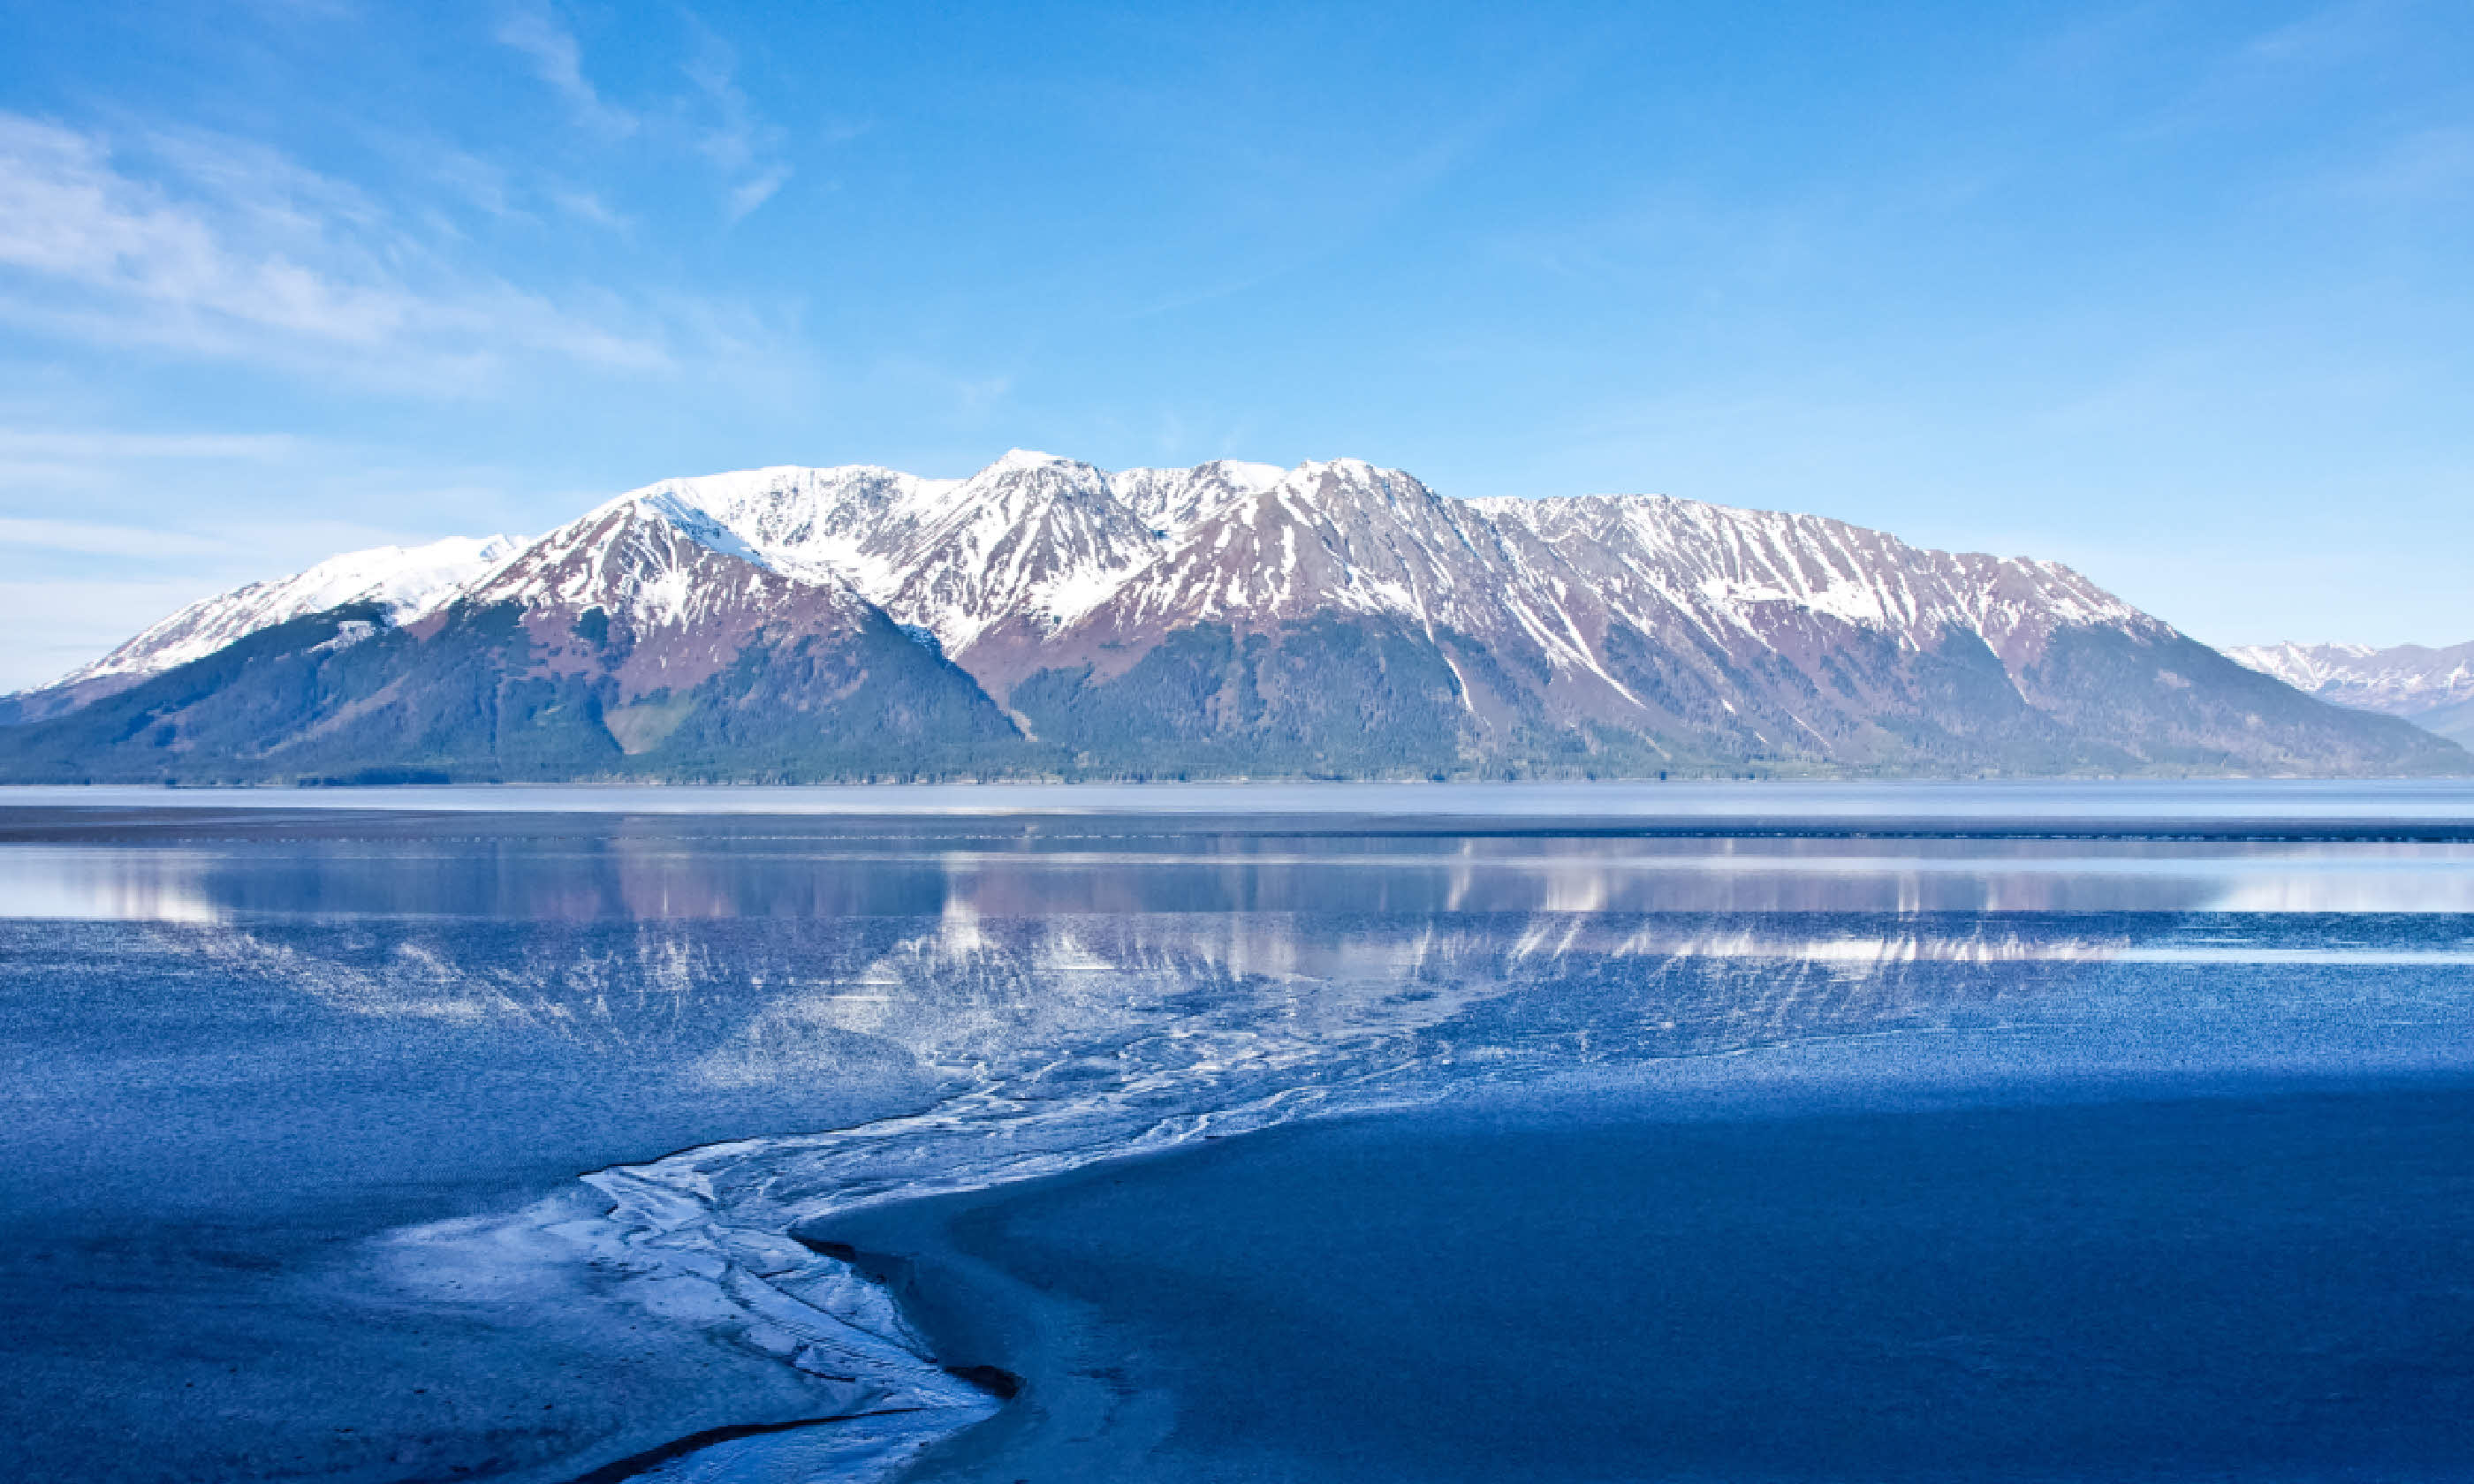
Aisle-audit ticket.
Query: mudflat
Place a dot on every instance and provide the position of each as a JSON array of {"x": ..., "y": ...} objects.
[{"x": 2257, "y": 1283}]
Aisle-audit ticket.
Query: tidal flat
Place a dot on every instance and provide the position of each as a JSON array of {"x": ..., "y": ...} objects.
[
  {"x": 2060, "y": 1132},
  {"x": 2160, "y": 1282}
]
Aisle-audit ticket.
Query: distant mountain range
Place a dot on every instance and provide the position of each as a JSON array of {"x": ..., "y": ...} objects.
[
  {"x": 2433, "y": 688},
  {"x": 1047, "y": 618}
]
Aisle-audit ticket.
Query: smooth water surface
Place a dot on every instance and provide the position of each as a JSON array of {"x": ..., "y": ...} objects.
[
  {"x": 2261, "y": 1284},
  {"x": 295, "y": 1097}
]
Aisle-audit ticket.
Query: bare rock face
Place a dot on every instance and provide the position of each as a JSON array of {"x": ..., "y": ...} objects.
[{"x": 1046, "y": 617}]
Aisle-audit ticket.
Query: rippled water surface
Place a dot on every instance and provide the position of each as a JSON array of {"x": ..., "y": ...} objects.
[{"x": 298, "y": 1088}]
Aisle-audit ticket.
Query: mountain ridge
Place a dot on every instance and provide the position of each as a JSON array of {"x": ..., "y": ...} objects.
[
  {"x": 2432, "y": 686},
  {"x": 1046, "y": 617}
]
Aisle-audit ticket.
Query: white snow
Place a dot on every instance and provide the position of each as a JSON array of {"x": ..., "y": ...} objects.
[
  {"x": 1037, "y": 545},
  {"x": 2404, "y": 679},
  {"x": 407, "y": 581}
]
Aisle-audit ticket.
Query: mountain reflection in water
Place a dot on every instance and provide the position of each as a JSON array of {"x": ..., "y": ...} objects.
[
  {"x": 261, "y": 1027},
  {"x": 569, "y": 870}
]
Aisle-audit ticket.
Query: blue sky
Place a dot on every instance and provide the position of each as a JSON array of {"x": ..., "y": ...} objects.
[{"x": 2180, "y": 292}]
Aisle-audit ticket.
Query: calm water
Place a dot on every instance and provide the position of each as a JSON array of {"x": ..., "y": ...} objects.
[
  {"x": 2264, "y": 1282},
  {"x": 299, "y": 1085}
]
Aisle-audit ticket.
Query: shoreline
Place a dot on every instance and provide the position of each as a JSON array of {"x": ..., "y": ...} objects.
[
  {"x": 331, "y": 1006},
  {"x": 638, "y": 1465},
  {"x": 977, "y": 1315},
  {"x": 1106, "y": 1384}
]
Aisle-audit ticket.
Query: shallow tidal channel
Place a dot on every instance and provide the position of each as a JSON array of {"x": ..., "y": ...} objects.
[{"x": 1909, "y": 1131}]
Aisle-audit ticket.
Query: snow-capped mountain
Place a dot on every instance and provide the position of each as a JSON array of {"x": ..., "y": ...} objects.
[
  {"x": 686, "y": 589},
  {"x": 1046, "y": 617},
  {"x": 1051, "y": 544},
  {"x": 2433, "y": 687},
  {"x": 407, "y": 583},
  {"x": 1031, "y": 540},
  {"x": 2401, "y": 680},
  {"x": 1734, "y": 575}
]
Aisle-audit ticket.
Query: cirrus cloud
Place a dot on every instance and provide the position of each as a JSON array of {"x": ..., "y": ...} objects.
[{"x": 205, "y": 247}]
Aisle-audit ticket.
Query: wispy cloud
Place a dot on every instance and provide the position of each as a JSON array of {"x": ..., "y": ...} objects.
[
  {"x": 226, "y": 249},
  {"x": 105, "y": 531},
  {"x": 53, "y": 464},
  {"x": 479, "y": 183},
  {"x": 749, "y": 195},
  {"x": 587, "y": 206},
  {"x": 47, "y": 443},
  {"x": 55, "y": 625},
  {"x": 106, "y": 541},
  {"x": 558, "y": 60},
  {"x": 742, "y": 146},
  {"x": 713, "y": 120}
]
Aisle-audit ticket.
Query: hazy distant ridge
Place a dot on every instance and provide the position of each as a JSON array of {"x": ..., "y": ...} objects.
[{"x": 2432, "y": 687}]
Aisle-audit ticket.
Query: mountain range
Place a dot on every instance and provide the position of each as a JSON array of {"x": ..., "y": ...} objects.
[
  {"x": 2432, "y": 687},
  {"x": 1044, "y": 617}
]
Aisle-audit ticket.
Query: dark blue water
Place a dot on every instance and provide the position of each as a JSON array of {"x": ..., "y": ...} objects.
[
  {"x": 2253, "y": 1282},
  {"x": 1645, "y": 1125}
]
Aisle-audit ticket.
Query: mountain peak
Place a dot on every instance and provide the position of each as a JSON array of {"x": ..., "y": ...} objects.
[
  {"x": 406, "y": 582},
  {"x": 1031, "y": 459},
  {"x": 1339, "y": 616},
  {"x": 1354, "y": 478}
]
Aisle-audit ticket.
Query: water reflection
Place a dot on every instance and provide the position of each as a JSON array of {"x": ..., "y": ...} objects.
[
  {"x": 970, "y": 999},
  {"x": 2419, "y": 800},
  {"x": 644, "y": 877},
  {"x": 861, "y": 1010}
]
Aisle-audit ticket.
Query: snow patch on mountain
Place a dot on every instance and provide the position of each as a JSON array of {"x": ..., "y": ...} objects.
[
  {"x": 407, "y": 581},
  {"x": 658, "y": 561},
  {"x": 1655, "y": 558},
  {"x": 1039, "y": 561},
  {"x": 1171, "y": 500},
  {"x": 2404, "y": 679},
  {"x": 839, "y": 521}
]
